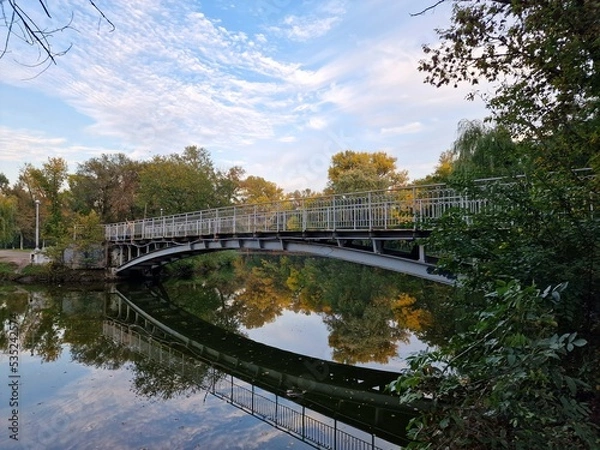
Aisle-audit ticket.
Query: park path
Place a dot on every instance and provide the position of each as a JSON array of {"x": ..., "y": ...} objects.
[{"x": 19, "y": 257}]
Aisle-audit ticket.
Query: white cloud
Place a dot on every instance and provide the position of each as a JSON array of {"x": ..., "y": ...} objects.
[
  {"x": 171, "y": 76},
  {"x": 305, "y": 28},
  {"x": 317, "y": 123},
  {"x": 413, "y": 127}
]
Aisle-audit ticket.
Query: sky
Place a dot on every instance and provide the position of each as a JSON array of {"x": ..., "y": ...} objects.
[{"x": 274, "y": 86}]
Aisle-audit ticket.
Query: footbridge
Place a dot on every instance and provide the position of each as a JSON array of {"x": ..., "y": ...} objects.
[{"x": 377, "y": 228}]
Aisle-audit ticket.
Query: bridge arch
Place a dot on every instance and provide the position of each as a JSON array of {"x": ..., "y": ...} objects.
[{"x": 154, "y": 258}]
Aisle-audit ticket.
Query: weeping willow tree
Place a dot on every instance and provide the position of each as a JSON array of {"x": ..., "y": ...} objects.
[{"x": 482, "y": 151}]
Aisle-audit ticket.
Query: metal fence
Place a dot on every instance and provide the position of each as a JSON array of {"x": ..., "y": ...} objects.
[
  {"x": 402, "y": 208},
  {"x": 409, "y": 207}
]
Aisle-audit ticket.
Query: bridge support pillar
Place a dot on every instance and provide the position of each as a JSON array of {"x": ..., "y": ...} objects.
[{"x": 377, "y": 246}]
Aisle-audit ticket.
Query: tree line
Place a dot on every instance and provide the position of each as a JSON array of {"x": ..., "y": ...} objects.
[{"x": 116, "y": 188}]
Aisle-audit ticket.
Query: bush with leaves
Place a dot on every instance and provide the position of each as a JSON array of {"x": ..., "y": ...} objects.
[{"x": 502, "y": 383}]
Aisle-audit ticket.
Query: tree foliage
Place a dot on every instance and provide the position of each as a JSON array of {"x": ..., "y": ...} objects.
[
  {"x": 352, "y": 171},
  {"x": 543, "y": 62},
  {"x": 106, "y": 185},
  {"x": 257, "y": 190},
  {"x": 502, "y": 383},
  {"x": 481, "y": 151},
  {"x": 48, "y": 186},
  {"x": 184, "y": 182}
]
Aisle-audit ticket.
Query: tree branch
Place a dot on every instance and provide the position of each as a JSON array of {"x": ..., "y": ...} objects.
[{"x": 429, "y": 8}]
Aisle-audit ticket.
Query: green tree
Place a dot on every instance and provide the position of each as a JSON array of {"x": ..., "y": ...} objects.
[
  {"x": 352, "y": 171},
  {"x": 502, "y": 382},
  {"x": 4, "y": 183},
  {"x": 183, "y": 182},
  {"x": 107, "y": 185},
  {"x": 484, "y": 152},
  {"x": 543, "y": 62},
  {"x": 8, "y": 222},
  {"x": 512, "y": 380}
]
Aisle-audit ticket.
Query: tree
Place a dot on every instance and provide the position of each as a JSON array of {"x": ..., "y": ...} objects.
[
  {"x": 543, "y": 59},
  {"x": 47, "y": 185},
  {"x": 180, "y": 183},
  {"x": 352, "y": 171},
  {"x": 24, "y": 23},
  {"x": 4, "y": 184},
  {"x": 257, "y": 190},
  {"x": 502, "y": 382},
  {"x": 442, "y": 170},
  {"x": 8, "y": 214},
  {"x": 481, "y": 151},
  {"x": 107, "y": 185},
  {"x": 513, "y": 379}
]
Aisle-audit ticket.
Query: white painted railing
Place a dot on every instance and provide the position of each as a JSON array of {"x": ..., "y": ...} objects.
[
  {"x": 409, "y": 207},
  {"x": 402, "y": 208}
]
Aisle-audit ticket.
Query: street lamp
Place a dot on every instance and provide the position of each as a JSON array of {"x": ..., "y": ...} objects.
[{"x": 37, "y": 225}]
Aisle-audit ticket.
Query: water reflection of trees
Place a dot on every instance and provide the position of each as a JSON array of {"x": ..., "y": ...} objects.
[
  {"x": 50, "y": 319},
  {"x": 369, "y": 312}
]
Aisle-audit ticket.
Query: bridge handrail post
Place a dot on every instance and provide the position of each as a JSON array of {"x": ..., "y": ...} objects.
[
  {"x": 386, "y": 215},
  {"x": 370, "y": 210},
  {"x": 234, "y": 219},
  {"x": 414, "y": 207},
  {"x": 304, "y": 214},
  {"x": 334, "y": 212}
]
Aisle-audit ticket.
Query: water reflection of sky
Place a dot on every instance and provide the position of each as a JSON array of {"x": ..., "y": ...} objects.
[
  {"x": 67, "y": 405},
  {"x": 307, "y": 334}
]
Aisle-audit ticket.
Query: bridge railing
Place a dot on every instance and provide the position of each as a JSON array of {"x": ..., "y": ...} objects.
[{"x": 405, "y": 208}]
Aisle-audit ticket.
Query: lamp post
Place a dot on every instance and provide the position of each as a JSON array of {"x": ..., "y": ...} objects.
[{"x": 37, "y": 225}]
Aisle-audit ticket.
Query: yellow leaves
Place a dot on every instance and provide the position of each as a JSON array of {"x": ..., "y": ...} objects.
[
  {"x": 352, "y": 171},
  {"x": 408, "y": 316}
]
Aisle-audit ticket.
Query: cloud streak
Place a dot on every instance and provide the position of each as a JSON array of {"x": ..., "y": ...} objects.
[{"x": 264, "y": 94}]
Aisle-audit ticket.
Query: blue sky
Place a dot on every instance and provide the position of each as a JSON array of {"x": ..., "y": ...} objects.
[{"x": 274, "y": 86}]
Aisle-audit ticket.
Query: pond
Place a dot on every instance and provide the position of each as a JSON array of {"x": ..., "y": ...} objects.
[{"x": 259, "y": 352}]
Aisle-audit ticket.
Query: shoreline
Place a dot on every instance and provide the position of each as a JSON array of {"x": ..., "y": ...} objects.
[{"x": 16, "y": 267}]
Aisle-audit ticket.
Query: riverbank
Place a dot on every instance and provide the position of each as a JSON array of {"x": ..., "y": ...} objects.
[{"x": 15, "y": 266}]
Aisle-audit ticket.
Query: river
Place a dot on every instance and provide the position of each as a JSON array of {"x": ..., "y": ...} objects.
[{"x": 257, "y": 353}]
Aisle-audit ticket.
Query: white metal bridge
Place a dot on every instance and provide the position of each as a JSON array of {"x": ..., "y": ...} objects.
[{"x": 377, "y": 228}]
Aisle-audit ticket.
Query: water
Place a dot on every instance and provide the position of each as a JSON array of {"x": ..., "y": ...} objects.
[{"x": 90, "y": 376}]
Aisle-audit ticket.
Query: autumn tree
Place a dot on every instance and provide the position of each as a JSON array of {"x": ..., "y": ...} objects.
[
  {"x": 352, "y": 171},
  {"x": 47, "y": 184},
  {"x": 256, "y": 190}
]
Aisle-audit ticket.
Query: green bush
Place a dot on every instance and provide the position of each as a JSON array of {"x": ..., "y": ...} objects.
[{"x": 503, "y": 383}]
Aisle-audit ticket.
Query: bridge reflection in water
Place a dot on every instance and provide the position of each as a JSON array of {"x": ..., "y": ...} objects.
[{"x": 324, "y": 404}]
